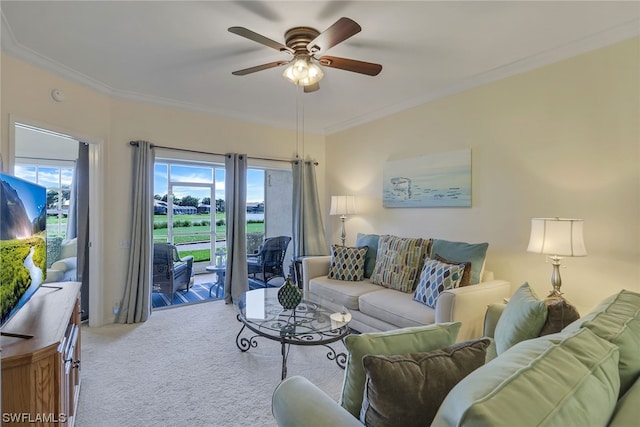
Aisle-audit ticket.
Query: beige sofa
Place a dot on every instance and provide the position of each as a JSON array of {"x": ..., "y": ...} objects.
[{"x": 375, "y": 308}]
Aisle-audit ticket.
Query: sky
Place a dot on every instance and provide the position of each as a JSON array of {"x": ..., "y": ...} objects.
[{"x": 197, "y": 181}]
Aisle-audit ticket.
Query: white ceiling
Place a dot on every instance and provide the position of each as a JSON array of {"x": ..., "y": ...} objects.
[{"x": 180, "y": 53}]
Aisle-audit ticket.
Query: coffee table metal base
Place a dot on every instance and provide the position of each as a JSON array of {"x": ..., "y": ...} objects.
[{"x": 244, "y": 343}]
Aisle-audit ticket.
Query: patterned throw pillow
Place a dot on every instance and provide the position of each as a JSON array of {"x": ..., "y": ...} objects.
[
  {"x": 347, "y": 263},
  {"x": 398, "y": 262},
  {"x": 54, "y": 247},
  {"x": 466, "y": 276},
  {"x": 435, "y": 278}
]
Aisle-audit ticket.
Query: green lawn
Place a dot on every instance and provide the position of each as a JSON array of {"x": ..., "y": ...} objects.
[{"x": 197, "y": 233}]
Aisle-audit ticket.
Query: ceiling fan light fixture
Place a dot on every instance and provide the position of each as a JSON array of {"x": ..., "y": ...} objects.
[{"x": 302, "y": 71}]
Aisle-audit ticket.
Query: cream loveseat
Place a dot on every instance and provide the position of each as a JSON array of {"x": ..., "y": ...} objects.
[
  {"x": 587, "y": 374},
  {"x": 378, "y": 308}
]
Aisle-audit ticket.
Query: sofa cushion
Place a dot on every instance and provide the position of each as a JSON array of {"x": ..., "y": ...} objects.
[
  {"x": 407, "y": 390},
  {"x": 340, "y": 292},
  {"x": 371, "y": 241},
  {"x": 396, "y": 308},
  {"x": 559, "y": 314},
  {"x": 347, "y": 263},
  {"x": 522, "y": 319},
  {"x": 435, "y": 278},
  {"x": 626, "y": 412},
  {"x": 617, "y": 319},
  {"x": 399, "y": 341},
  {"x": 466, "y": 275},
  {"x": 475, "y": 253},
  {"x": 398, "y": 262},
  {"x": 555, "y": 380}
]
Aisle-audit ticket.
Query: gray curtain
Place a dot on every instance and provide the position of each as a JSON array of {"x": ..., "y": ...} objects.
[
  {"x": 81, "y": 177},
  {"x": 308, "y": 229},
  {"x": 136, "y": 301},
  {"x": 236, "y": 278}
]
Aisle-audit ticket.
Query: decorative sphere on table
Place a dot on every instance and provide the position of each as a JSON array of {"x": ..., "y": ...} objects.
[{"x": 289, "y": 295}]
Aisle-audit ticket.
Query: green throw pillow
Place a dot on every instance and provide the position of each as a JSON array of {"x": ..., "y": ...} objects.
[
  {"x": 399, "y": 341},
  {"x": 407, "y": 390},
  {"x": 371, "y": 241},
  {"x": 556, "y": 380},
  {"x": 475, "y": 253},
  {"x": 617, "y": 319},
  {"x": 522, "y": 319}
]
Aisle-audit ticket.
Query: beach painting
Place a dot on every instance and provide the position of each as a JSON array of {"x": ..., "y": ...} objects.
[{"x": 438, "y": 180}]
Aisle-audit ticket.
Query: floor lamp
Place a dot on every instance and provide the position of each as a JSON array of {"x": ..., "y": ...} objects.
[{"x": 343, "y": 206}]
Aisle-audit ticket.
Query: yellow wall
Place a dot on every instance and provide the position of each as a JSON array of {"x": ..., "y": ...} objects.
[
  {"x": 562, "y": 140},
  {"x": 97, "y": 117}
]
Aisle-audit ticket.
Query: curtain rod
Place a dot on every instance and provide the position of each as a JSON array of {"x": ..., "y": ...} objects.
[{"x": 135, "y": 143}]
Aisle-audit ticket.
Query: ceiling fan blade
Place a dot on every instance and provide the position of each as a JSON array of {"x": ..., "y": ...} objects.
[
  {"x": 312, "y": 88},
  {"x": 259, "y": 68},
  {"x": 361, "y": 67},
  {"x": 246, "y": 33},
  {"x": 341, "y": 30}
]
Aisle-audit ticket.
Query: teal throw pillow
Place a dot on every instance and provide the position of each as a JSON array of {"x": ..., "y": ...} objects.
[
  {"x": 398, "y": 341},
  {"x": 435, "y": 278},
  {"x": 347, "y": 263},
  {"x": 371, "y": 241},
  {"x": 522, "y": 319},
  {"x": 475, "y": 253}
]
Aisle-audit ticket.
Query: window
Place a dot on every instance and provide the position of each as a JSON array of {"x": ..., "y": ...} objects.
[
  {"x": 56, "y": 176},
  {"x": 189, "y": 207}
]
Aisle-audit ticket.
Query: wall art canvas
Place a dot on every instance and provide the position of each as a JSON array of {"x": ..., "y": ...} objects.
[{"x": 438, "y": 180}]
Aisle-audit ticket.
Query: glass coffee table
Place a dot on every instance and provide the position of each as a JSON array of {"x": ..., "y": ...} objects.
[{"x": 308, "y": 324}]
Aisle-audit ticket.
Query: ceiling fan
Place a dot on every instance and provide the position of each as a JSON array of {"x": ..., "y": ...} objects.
[{"x": 306, "y": 45}]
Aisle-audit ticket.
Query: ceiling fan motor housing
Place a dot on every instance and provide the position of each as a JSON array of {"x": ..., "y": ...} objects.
[{"x": 298, "y": 38}]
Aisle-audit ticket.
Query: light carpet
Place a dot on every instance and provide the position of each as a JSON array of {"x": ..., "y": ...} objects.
[{"x": 182, "y": 368}]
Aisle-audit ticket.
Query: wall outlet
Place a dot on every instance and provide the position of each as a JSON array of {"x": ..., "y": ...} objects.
[
  {"x": 125, "y": 244},
  {"x": 116, "y": 307}
]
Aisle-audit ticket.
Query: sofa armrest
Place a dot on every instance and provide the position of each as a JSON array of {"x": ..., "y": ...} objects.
[
  {"x": 491, "y": 317},
  {"x": 314, "y": 266},
  {"x": 468, "y": 305},
  {"x": 298, "y": 402}
]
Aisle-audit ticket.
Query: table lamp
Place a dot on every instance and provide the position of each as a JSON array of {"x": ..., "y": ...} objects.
[
  {"x": 557, "y": 238},
  {"x": 343, "y": 206}
]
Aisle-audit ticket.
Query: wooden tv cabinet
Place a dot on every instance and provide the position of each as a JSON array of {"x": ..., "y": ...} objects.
[{"x": 41, "y": 375}]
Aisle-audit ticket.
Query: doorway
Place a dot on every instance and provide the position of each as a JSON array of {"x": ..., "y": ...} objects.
[{"x": 68, "y": 168}]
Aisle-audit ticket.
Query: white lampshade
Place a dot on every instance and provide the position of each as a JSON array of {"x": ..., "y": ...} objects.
[
  {"x": 343, "y": 205},
  {"x": 557, "y": 236}
]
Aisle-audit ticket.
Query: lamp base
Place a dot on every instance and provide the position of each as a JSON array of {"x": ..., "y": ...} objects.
[{"x": 556, "y": 280}]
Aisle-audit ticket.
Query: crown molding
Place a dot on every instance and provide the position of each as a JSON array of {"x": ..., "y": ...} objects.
[
  {"x": 607, "y": 37},
  {"x": 613, "y": 35}
]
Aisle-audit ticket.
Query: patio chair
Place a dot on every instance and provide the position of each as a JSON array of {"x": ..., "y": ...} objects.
[
  {"x": 170, "y": 272},
  {"x": 267, "y": 263}
]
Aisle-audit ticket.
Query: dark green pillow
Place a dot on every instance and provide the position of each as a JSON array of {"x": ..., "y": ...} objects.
[{"x": 407, "y": 390}]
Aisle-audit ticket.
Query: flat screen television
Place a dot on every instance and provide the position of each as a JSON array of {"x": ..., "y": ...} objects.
[{"x": 23, "y": 242}]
